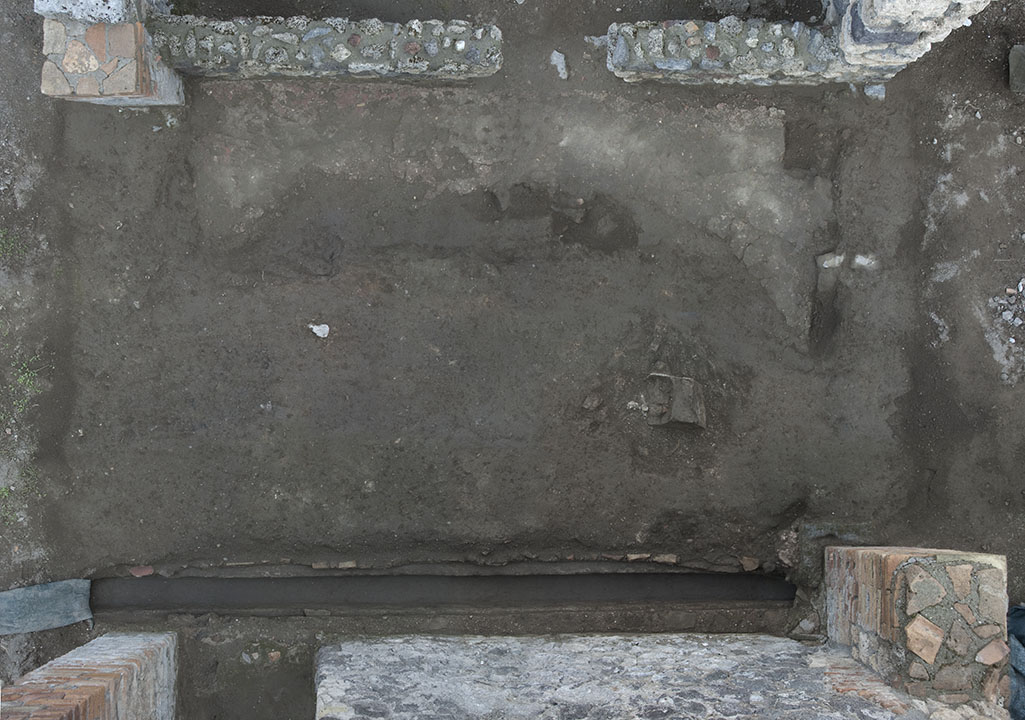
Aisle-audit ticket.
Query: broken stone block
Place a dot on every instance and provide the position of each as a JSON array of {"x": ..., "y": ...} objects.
[
  {"x": 675, "y": 399},
  {"x": 924, "y": 638},
  {"x": 1016, "y": 61}
]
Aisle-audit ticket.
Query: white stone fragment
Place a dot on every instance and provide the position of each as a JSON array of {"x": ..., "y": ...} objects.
[
  {"x": 865, "y": 262},
  {"x": 876, "y": 92},
  {"x": 558, "y": 61},
  {"x": 832, "y": 260},
  {"x": 320, "y": 331}
]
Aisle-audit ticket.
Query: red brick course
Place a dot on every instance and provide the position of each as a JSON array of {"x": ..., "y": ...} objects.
[{"x": 78, "y": 687}]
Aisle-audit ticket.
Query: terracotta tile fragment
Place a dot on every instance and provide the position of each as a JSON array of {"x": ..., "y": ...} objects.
[
  {"x": 924, "y": 638},
  {"x": 96, "y": 39},
  {"x": 961, "y": 579},
  {"x": 993, "y": 653}
]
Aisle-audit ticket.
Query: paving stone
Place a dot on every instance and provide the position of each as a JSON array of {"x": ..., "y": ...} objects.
[
  {"x": 54, "y": 36},
  {"x": 109, "y": 66},
  {"x": 924, "y": 638},
  {"x": 961, "y": 579},
  {"x": 123, "y": 82},
  {"x": 53, "y": 81},
  {"x": 79, "y": 59}
]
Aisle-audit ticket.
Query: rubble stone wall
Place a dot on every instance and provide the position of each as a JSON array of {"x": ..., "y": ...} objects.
[
  {"x": 862, "y": 41},
  {"x": 301, "y": 47},
  {"x": 931, "y": 622}
]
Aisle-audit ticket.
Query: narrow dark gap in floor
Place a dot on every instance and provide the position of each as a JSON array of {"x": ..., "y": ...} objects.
[{"x": 302, "y": 593}]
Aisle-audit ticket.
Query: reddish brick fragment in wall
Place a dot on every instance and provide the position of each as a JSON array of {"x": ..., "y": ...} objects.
[
  {"x": 96, "y": 39},
  {"x": 993, "y": 653},
  {"x": 924, "y": 638}
]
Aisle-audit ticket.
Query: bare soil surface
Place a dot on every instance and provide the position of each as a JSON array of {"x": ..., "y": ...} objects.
[{"x": 501, "y": 265}]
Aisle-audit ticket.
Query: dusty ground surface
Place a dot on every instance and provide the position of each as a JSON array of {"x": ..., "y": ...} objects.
[{"x": 501, "y": 265}]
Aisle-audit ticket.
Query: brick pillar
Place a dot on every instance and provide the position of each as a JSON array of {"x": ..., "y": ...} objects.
[
  {"x": 114, "y": 677},
  {"x": 931, "y": 622}
]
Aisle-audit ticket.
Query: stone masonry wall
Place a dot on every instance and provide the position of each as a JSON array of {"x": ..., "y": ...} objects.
[
  {"x": 862, "y": 41},
  {"x": 299, "y": 46},
  {"x": 728, "y": 51},
  {"x": 931, "y": 622},
  {"x": 114, "y": 677}
]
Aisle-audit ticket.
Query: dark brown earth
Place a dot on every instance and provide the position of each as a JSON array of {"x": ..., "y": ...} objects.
[{"x": 501, "y": 265}]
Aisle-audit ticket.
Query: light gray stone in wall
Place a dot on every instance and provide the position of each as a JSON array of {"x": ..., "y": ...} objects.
[
  {"x": 585, "y": 677},
  {"x": 301, "y": 47}
]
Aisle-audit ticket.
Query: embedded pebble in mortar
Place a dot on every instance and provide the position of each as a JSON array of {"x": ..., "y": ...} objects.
[
  {"x": 320, "y": 331},
  {"x": 558, "y": 61}
]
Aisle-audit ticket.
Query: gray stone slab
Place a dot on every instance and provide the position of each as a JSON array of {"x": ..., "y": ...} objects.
[
  {"x": 1016, "y": 61},
  {"x": 42, "y": 607},
  {"x": 645, "y": 676},
  {"x": 89, "y": 11}
]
